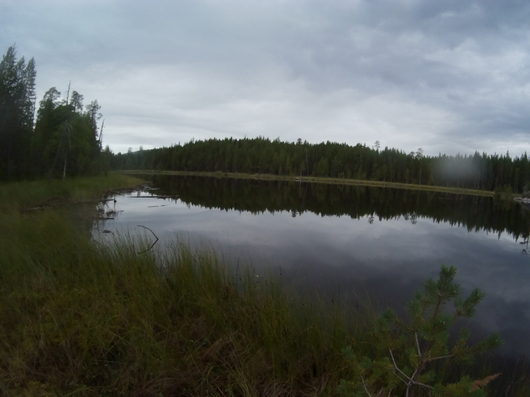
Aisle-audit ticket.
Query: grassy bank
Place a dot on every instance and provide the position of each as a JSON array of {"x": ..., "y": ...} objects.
[
  {"x": 48, "y": 193},
  {"x": 77, "y": 318},
  {"x": 312, "y": 179},
  {"x": 82, "y": 319}
]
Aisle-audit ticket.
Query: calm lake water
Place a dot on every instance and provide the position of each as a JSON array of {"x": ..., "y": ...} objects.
[{"x": 343, "y": 241}]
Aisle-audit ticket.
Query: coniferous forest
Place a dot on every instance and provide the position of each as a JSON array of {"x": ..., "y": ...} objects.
[
  {"x": 62, "y": 137},
  {"x": 63, "y": 140},
  {"x": 262, "y": 155}
]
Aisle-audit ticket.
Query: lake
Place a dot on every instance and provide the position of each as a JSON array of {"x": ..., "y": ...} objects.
[{"x": 341, "y": 242}]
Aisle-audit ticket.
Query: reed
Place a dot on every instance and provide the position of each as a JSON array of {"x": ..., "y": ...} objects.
[{"x": 80, "y": 318}]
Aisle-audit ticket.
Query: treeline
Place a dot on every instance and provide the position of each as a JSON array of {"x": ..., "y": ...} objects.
[
  {"x": 64, "y": 140},
  {"x": 262, "y": 155}
]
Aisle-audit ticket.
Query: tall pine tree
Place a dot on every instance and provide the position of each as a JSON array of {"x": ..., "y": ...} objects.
[{"x": 17, "y": 102}]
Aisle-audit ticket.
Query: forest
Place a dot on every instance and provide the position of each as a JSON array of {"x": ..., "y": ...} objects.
[
  {"x": 64, "y": 139},
  {"x": 337, "y": 160}
]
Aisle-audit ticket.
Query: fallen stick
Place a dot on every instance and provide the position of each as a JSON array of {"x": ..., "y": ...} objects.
[{"x": 154, "y": 242}]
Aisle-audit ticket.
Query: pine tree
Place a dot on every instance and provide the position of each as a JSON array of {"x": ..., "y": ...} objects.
[{"x": 17, "y": 101}]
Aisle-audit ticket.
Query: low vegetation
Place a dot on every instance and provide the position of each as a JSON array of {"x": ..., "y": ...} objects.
[
  {"x": 84, "y": 319},
  {"x": 52, "y": 193}
]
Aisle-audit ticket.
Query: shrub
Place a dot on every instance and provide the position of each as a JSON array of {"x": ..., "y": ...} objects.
[{"x": 405, "y": 358}]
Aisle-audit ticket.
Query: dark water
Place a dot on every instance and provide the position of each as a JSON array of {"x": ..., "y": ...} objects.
[{"x": 344, "y": 241}]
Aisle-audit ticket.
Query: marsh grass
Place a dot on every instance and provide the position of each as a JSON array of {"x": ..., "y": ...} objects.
[
  {"x": 46, "y": 193},
  {"x": 82, "y": 318}
]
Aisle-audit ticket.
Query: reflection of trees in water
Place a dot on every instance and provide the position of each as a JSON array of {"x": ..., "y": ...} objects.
[
  {"x": 412, "y": 217},
  {"x": 475, "y": 213},
  {"x": 524, "y": 243}
]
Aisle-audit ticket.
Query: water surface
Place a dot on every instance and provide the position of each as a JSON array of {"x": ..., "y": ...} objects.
[{"x": 342, "y": 241}]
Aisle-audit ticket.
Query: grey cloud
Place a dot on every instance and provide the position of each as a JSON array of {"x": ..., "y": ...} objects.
[{"x": 445, "y": 75}]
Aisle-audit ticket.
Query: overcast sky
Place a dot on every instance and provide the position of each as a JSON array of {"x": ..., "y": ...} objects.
[{"x": 445, "y": 75}]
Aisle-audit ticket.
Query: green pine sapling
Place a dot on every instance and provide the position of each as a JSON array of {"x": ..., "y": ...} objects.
[{"x": 404, "y": 358}]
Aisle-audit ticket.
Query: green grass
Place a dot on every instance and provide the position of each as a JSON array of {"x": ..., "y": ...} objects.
[
  {"x": 314, "y": 179},
  {"x": 46, "y": 193},
  {"x": 84, "y": 319},
  {"x": 78, "y": 318}
]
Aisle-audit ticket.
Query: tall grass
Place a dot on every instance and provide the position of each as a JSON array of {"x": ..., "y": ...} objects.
[
  {"x": 78, "y": 318},
  {"x": 86, "y": 319}
]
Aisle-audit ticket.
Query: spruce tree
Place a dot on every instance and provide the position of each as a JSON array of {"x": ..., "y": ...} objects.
[{"x": 17, "y": 101}]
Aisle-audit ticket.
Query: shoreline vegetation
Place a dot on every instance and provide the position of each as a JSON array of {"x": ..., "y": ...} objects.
[
  {"x": 313, "y": 179},
  {"x": 42, "y": 194},
  {"x": 87, "y": 319},
  {"x": 502, "y": 174}
]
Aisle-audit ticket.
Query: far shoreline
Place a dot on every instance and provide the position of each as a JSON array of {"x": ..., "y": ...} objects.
[{"x": 313, "y": 179}]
